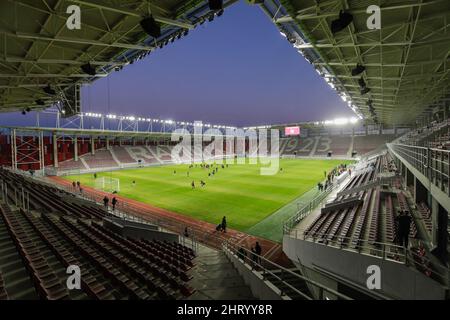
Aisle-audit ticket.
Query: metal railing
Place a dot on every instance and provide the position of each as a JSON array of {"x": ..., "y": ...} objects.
[
  {"x": 305, "y": 210},
  {"x": 268, "y": 269},
  {"x": 385, "y": 251},
  {"x": 434, "y": 164}
]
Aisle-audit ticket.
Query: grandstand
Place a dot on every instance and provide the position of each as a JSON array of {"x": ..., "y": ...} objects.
[{"x": 337, "y": 203}]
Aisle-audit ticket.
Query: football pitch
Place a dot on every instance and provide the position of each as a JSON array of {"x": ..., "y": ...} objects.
[{"x": 238, "y": 191}]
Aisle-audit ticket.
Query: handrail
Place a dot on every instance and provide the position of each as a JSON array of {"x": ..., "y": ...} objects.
[
  {"x": 268, "y": 267},
  {"x": 376, "y": 249},
  {"x": 306, "y": 209},
  {"x": 290, "y": 223},
  {"x": 359, "y": 245},
  {"x": 432, "y": 163}
]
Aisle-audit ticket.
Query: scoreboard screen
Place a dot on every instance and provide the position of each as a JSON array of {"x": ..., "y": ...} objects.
[{"x": 292, "y": 131}]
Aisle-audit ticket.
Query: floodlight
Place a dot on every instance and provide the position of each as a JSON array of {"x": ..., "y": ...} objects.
[
  {"x": 49, "y": 90},
  {"x": 342, "y": 22},
  {"x": 87, "y": 68},
  {"x": 151, "y": 27},
  {"x": 358, "y": 70},
  {"x": 215, "y": 5}
]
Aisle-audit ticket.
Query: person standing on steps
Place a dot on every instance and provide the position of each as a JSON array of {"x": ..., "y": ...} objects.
[
  {"x": 105, "y": 202},
  {"x": 114, "y": 202}
]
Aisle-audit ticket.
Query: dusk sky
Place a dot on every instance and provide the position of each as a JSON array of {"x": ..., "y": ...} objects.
[{"x": 237, "y": 70}]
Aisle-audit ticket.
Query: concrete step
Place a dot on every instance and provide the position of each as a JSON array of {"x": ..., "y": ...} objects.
[{"x": 216, "y": 278}]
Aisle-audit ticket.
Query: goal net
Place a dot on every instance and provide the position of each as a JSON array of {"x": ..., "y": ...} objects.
[{"x": 107, "y": 184}]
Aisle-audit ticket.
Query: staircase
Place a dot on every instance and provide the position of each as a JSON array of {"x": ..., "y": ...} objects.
[
  {"x": 284, "y": 281},
  {"x": 215, "y": 278}
]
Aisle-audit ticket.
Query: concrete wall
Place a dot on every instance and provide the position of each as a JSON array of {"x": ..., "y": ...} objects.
[
  {"x": 397, "y": 280},
  {"x": 140, "y": 232},
  {"x": 261, "y": 289}
]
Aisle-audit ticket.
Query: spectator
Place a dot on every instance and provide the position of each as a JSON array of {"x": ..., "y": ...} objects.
[
  {"x": 258, "y": 249},
  {"x": 186, "y": 233},
  {"x": 105, "y": 202},
  {"x": 74, "y": 184},
  {"x": 404, "y": 224},
  {"x": 114, "y": 202},
  {"x": 78, "y": 184},
  {"x": 242, "y": 254},
  {"x": 224, "y": 224}
]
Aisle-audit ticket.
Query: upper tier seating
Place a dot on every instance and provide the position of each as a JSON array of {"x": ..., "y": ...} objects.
[{"x": 365, "y": 144}]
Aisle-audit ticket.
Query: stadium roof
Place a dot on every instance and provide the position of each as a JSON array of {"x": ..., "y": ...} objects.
[
  {"x": 38, "y": 49},
  {"x": 406, "y": 61}
]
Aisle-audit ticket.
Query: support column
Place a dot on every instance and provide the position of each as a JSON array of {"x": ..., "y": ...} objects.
[
  {"x": 107, "y": 143},
  {"x": 13, "y": 150},
  {"x": 380, "y": 129},
  {"x": 55, "y": 151},
  {"x": 405, "y": 178},
  {"x": 92, "y": 145},
  {"x": 420, "y": 192},
  {"x": 75, "y": 148},
  {"x": 440, "y": 233},
  {"x": 41, "y": 152}
]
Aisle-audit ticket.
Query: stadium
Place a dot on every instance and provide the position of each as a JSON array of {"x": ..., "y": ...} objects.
[{"x": 102, "y": 204}]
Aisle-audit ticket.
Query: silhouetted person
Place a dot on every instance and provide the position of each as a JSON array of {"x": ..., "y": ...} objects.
[
  {"x": 95, "y": 175},
  {"x": 186, "y": 233},
  {"x": 78, "y": 184},
  {"x": 105, "y": 202},
  {"x": 241, "y": 253},
  {"x": 114, "y": 202},
  {"x": 193, "y": 185},
  {"x": 74, "y": 184},
  {"x": 258, "y": 249},
  {"x": 404, "y": 224},
  {"x": 224, "y": 224}
]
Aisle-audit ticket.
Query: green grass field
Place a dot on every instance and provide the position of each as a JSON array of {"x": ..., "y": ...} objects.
[{"x": 239, "y": 192}]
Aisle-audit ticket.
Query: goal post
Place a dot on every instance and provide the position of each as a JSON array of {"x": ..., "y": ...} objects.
[{"x": 107, "y": 184}]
